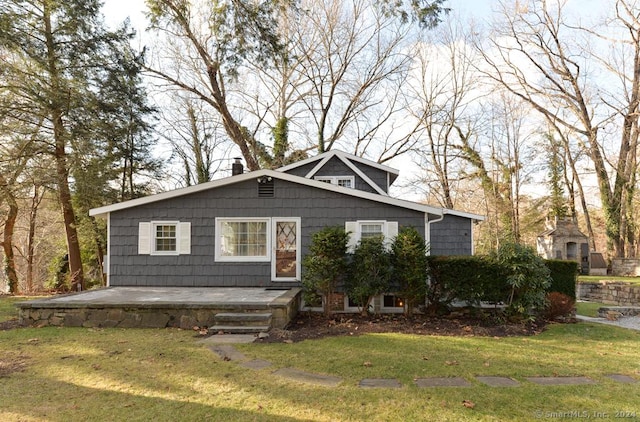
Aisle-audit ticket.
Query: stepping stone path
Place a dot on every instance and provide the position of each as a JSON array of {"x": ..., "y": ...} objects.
[
  {"x": 380, "y": 383},
  {"x": 625, "y": 379},
  {"x": 227, "y": 352},
  {"x": 498, "y": 381}
]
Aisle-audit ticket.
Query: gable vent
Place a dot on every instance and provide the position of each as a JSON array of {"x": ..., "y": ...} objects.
[{"x": 265, "y": 187}]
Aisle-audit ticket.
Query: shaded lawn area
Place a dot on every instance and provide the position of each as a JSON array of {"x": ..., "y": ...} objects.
[{"x": 62, "y": 374}]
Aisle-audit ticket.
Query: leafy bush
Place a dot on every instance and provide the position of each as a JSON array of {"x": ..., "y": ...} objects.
[
  {"x": 563, "y": 276},
  {"x": 408, "y": 259},
  {"x": 558, "y": 305},
  {"x": 527, "y": 277},
  {"x": 369, "y": 271},
  {"x": 325, "y": 264}
]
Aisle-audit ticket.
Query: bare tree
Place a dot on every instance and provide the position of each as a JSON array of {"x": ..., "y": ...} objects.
[
  {"x": 537, "y": 55},
  {"x": 440, "y": 96},
  {"x": 196, "y": 138}
]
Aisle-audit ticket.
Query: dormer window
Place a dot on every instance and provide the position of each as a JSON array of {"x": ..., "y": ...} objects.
[{"x": 344, "y": 181}]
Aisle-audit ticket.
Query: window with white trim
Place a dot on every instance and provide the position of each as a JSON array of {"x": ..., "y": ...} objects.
[
  {"x": 242, "y": 239},
  {"x": 363, "y": 229},
  {"x": 164, "y": 238},
  {"x": 369, "y": 230},
  {"x": 344, "y": 181}
]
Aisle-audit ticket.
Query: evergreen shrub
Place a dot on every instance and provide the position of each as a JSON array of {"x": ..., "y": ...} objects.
[{"x": 564, "y": 275}]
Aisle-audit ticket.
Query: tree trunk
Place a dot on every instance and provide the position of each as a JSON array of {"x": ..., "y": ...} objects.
[
  {"x": 7, "y": 245},
  {"x": 33, "y": 213},
  {"x": 60, "y": 156}
]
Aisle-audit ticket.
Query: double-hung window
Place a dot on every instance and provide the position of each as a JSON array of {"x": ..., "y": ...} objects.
[
  {"x": 363, "y": 229},
  {"x": 242, "y": 239},
  {"x": 164, "y": 238}
]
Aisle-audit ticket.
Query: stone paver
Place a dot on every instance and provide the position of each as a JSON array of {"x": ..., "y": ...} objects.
[
  {"x": 442, "y": 382},
  {"x": 380, "y": 383},
  {"x": 498, "y": 381},
  {"x": 256, "y": 364},
  {"x": 227, "y": 352},
  {"x": 625, "y": 379},
  {"x": 560, "y": 380},
  {"x": 308, "y": 377},
  {"x": 229, "y": 339}
]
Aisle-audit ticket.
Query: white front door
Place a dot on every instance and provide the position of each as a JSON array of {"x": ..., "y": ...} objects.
[{"x": 285, "y": 262}]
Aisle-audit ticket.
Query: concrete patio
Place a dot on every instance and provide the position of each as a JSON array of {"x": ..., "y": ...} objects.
[{"x": 227, "y": 309}]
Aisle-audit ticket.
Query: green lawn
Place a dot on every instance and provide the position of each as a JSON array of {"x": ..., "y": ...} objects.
[
  {"x": 62, "y": 374},
  {"x": 8, "y": 309},
  {"x": 589, "y": 309},
  {"x": 596, "y": 278}
]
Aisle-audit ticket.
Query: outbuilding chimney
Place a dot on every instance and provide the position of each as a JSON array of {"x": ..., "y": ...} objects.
[{"x": 237, "y": 167}]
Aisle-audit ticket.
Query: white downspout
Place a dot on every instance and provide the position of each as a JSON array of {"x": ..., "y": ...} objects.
[{"x": 427, "y": 226}]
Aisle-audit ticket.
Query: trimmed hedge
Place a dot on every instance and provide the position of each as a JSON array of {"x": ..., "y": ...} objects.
[
  {"x": 473, "y": 279},
  {"x": 564, "y": 276}
]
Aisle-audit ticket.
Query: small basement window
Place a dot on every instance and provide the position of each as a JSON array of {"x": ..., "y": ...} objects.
[{"x": 392, "y": 301}]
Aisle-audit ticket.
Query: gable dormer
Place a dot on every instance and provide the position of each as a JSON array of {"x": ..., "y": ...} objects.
[{"x": 345, "y": 170}]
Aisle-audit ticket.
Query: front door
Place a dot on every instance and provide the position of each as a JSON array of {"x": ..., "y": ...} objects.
[{"x": 285, "y": 263}]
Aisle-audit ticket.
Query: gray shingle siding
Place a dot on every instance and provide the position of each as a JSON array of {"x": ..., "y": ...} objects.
[
  {"x": 335, "y": 167},
  {"x": 379, "y": 177},
  {"x": 317, "y": 208},
  {"x": 452, "y": 236}
]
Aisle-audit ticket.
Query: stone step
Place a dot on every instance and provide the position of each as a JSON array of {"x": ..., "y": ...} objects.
[
  {"x": 238, "y": 329},
  {"x": 243, "y": 318}
]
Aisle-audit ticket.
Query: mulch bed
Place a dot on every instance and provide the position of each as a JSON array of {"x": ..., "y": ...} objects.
[{"x": 307, "y": 326}]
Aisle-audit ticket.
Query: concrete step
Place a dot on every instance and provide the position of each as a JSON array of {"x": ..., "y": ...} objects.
[
  {"x": 238, "y": 329},
  {"x": 243, "y": 318}
]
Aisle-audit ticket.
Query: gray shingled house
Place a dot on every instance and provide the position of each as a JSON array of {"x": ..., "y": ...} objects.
[{"x": 253, "y": 228}]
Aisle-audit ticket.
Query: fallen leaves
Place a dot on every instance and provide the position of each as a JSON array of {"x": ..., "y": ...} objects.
[{"x": 468, "y": 404}]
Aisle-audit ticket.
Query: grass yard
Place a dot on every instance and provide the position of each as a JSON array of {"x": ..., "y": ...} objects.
[
  {"x": 589, "y": 309},
  {"x": 597, "y": 278},
  {"x": 62, "y": 374}
]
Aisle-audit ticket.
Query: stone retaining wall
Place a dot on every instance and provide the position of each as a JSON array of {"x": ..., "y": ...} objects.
[
  {"x": 610, "y": 293},
  {"x": 628, "y": 267},
  {"x": 117, "y": 317}
]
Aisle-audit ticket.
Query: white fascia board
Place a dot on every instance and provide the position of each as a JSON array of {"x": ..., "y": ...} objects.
[
  {"x": 326, "y": 156},
  {"x": 303, "y": 162},
  {"x": 464, "y": 214},
  {"x": 367, "y": 162},
  {"x": 363, "y": 176},
  {"x": 105, "y": 210},
  {"x": 318, "y": 166}
]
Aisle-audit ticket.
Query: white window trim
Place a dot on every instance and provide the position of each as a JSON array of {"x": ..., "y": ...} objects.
[
  {"x": 334, "y": 180},
  {"x": 389, "y": 230},
  {"x": 224, "y": 258},
  {"x": 274, "y": 224},
  {"x": 355, "y": 309},
  {"x": 154, "y": 224}
]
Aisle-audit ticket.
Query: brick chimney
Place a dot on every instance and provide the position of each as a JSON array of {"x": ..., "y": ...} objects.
[{"x": 237, "y": 167}]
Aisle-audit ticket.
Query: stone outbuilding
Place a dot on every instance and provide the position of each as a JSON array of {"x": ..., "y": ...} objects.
[{"x": 564, "y": 240}]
